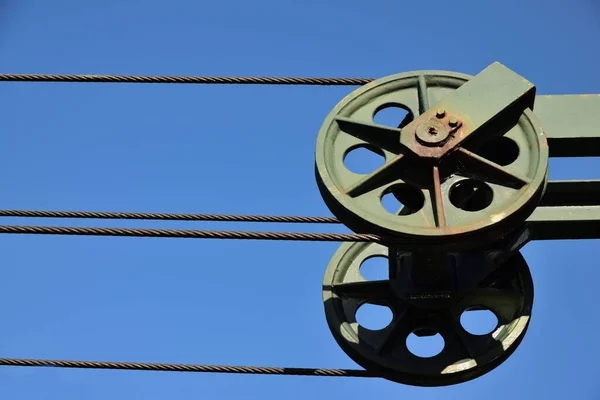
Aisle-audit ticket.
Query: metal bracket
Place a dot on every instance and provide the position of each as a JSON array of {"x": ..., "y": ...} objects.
[
  {"x": 568, "y": 210},
  {"x": 571, "y": 123}
]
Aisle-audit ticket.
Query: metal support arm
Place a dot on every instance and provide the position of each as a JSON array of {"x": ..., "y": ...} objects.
[
  {"x": 572, "y": 124},
  {"x": 568, "y": 210}
]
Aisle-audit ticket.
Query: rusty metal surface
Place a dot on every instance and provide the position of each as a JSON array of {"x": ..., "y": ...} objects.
[
  {"x": 247, "y": 80},
  {"x": 495, "y": 95},
  {"x": 434, "y": 136}
]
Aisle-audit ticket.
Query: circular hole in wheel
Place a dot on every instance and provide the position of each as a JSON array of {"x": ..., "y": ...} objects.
[
  {"x": 425, "y": 343},
  {"x": 478, "y": 321},
  {"x": 375, "y": 268},
  {"x": 500, "y": 150},
  {"x": 402, "y": 199},
  {"x": 363, "y": 159},
  {"x": 373, "y": 317},
  {"x": 471, "y": 195},
  {"x": 394, "y": 115}
]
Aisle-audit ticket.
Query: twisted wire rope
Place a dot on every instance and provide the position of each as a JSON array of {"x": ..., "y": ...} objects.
[
  {"x": 230, "y": 369},
  {"x": 209, "y": 234},
  {"x": 168, "y": 216},
  {"x": 247, "y": 80},
  {"x": 193, "y": 234}
]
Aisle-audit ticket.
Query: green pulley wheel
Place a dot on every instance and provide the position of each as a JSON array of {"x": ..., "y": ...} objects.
[
  {"x": 508, "y": 293},
  {"x": 472, "y": 166}
]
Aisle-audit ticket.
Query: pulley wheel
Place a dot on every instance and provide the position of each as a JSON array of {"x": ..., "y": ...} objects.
[
  {"x": 465, "y": 356},
  {"x": 482, "y": 188}
]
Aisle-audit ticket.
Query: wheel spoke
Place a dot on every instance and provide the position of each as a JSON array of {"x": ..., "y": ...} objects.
[
  {"x": 394, "y": 335},
  {"x": 386, "y": 137},
  {"x": 436, "y": 198},
  {"x": 423, "y": 95},
  {"x": 490, "y": 171},
  {"x": 456, "y": 340},
  {"x": 383, "y": 175},
  {"x": 503, "y": 301},
  {"x": 374, "y": 292}
]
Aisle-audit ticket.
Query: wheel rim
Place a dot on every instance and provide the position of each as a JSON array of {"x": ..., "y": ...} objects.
[
  {"x": 464, "y": 357},
  {"x": 514, "y": 186}
]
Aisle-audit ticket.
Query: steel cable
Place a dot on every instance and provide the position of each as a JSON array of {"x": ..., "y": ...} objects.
[
  {"x": 197, "y": 234},
  {"x": 168, "y": 217},
  {"x": 229, "y": 369},
  {"x": 248, "y": 80}
]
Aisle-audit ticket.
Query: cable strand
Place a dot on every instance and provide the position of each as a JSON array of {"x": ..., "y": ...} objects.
[
  {"x": 196, "y": 234},
  {"x": 248, "y": 80},
  {"x": 168, "y": 217},
  {"x": 230, "y": 369}
]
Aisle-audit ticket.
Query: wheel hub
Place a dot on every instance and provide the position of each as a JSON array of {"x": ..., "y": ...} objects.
[
  {"x": 436, "y": 137},
  {"x": 433, "y": 133}
]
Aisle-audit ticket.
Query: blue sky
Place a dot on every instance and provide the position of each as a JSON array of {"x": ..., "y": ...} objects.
[{"x": 243, "y": 149}]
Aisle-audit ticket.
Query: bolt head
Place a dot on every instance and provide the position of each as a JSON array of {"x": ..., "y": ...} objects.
[
  {"x": 441, "y": 113},
  {"x": 432, "y": 133},
  {"x": 453, "y": 122}
]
